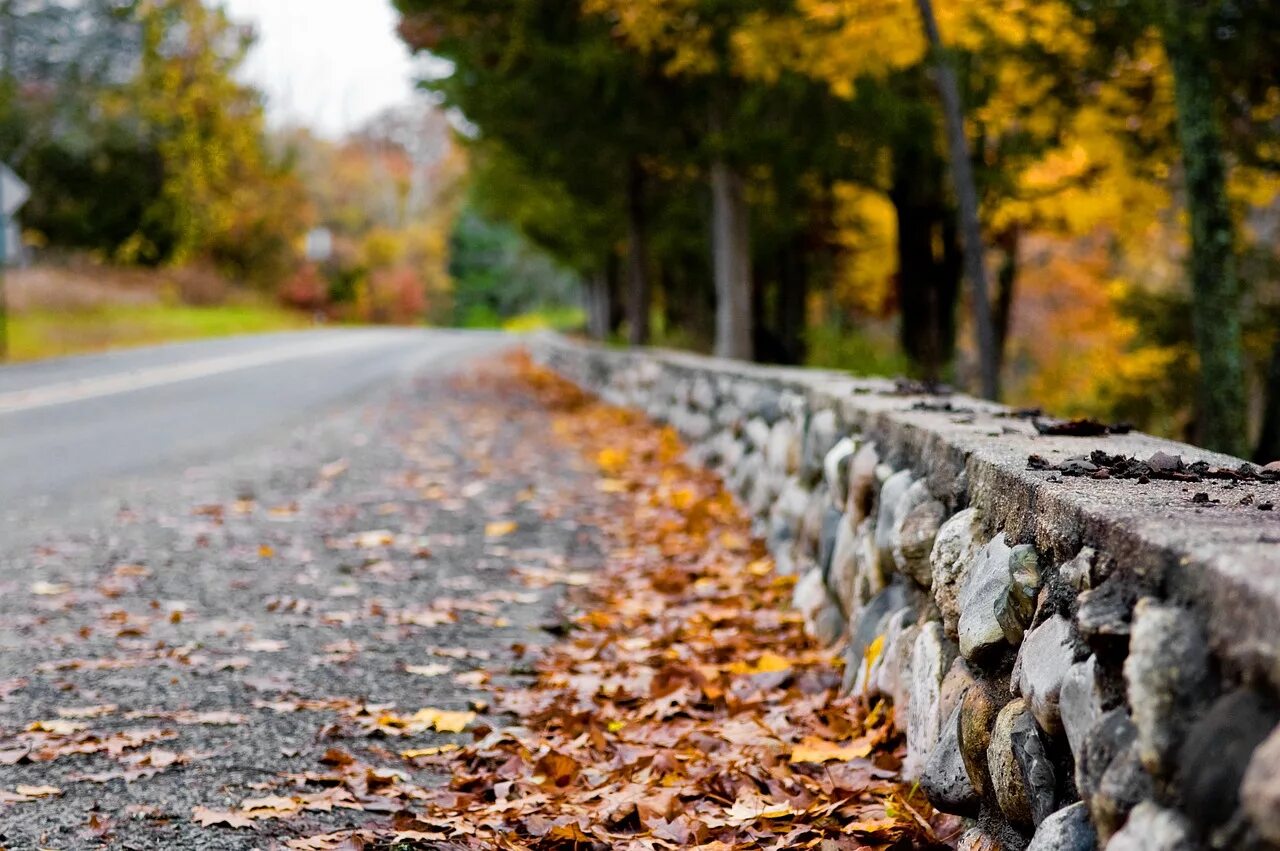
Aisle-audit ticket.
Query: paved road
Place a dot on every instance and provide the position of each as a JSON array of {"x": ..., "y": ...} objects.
[
  {"x": 77, "y": 429},
  {"x": 341, "y": 551}
]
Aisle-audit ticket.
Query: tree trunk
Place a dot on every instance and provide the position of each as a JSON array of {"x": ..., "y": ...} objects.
[
  {"x": 1006, "y": 281},
  {"x": 638, "y": 282},
  {"x": 928, "y": 278},
  {"x": 967, "y": 202},
  {"x": 1214, "y": 286},
  {"x": 1268, "y": 448},
  {"x": 731, "y": 258},
  {"x": 596, "y": 290},
  {"x": 793, "y": 299}
]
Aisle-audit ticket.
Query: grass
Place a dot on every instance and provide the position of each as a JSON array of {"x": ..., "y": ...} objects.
[
  {"x": 562, "y": 318},
  {"x": 45, "y": 333}
]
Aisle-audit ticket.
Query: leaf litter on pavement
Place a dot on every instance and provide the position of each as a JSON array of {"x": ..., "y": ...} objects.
[
  {"x": 684, "y": 707},
  {"x": 678, "y": 703}
]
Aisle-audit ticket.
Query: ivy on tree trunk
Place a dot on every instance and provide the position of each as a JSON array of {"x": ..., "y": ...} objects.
[{"x": 1215, "y": 287}]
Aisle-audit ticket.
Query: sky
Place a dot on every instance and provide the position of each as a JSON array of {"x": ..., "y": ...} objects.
[{"x": 326, "y": 64}]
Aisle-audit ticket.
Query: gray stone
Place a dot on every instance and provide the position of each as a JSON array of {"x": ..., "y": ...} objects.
[
  {"x": 757, "y": 431},
  {"x": 1216, "y": 753},
  {"x": 1105, "y": 611},
  {"x": 1015, "y": 610},
  {"x": 832, "y": 520},
  {"x": 945, "y": 780},
  {"x": 828, "y": 623},
  {"x": 1043, "y": 661},
  {"x": 930, "y": 659},
  {"x": 809, "y": 538},
  {"x": 810, "y": 597},
  {"x": 703, "y": 394},
  {"x": 835, "y": 470},
  {"x": 867, "y": 624},
  {"x": 1260, "y": 792},
  {"x": 763, "y": 491},
  {"x": 696, "y": 427},
  {"x": 766, "y": 403},
  {"x": 917, "y": 528},
  {"x": 1123, "y": 785},
  {"x": 1066, "y": 830},
  {"x": 1106, "y": 741},
  {"x": 1007, "y": 780},
  {"x": 1080, "y": 702},
  {"x": 1167, "y": 676},
  {"x": 954, "y": 552},
  {"x": 890, "y": 676},
  {"x": 782, "y": 452},
  {"x": 843, "y": 573},
  {"x": 1153, "y": 828},
  {"x": 863, "y": 484},
  {"x": 820, "y": 434},
  {"x": 890, "y": 501},
  {"x": 986, "y": 587},
  {"x": 1078, "y": 572},
  {"x": 1037, "y": 770},
  {"x": 727, "y": 416}
]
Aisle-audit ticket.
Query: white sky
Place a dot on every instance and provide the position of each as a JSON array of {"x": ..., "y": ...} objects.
[{"x": 326, "y": 64}]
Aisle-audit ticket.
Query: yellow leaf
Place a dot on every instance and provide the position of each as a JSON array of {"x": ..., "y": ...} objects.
[
  {"x": 414, "y": 753},
  {"x": 768, "y": 663},
  {"x": 612, "y": 461},
  {"x": 444, "y": 721},
  {"x": 814, "y": 749},
  {"x": 874, "y": 650},
  {"x": 499, "y": 529}
]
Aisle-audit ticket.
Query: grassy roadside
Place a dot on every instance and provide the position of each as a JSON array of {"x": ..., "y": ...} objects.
[{"x": 44, "y": 333}]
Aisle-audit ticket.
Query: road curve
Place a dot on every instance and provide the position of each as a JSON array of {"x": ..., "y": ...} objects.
[{"x": 75, "y": 426}]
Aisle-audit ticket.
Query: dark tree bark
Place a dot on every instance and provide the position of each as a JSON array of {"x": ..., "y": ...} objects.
[
  {"x": 929, "y": 263},
  {"x": 1215, "y": 288},
  {"x": 639, "y": 285},
  {"x": 731, "y": 259},
  {"x": 967, "y": 203},
  {"x": 793, "y": 298},
  {"x": 1268, "y": 448},
  {"x": 1006, "y": 281},
  {"x": 596, "y": 290},
  {"x": 617, "y": 308}
]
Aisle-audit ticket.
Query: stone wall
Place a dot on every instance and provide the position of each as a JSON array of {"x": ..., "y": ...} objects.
[{"x": 1082, "y": 649}]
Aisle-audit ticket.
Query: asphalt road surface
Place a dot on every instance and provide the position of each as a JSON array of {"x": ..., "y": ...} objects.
[
  {"x": 77, "y": 432},
  {"x": 235, "y": 569}
]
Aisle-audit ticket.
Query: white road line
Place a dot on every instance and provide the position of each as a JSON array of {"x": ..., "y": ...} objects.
[{"x": 80, "y": 389}]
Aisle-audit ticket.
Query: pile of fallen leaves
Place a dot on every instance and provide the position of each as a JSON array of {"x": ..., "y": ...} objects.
[{"x": 684, "y": 707}]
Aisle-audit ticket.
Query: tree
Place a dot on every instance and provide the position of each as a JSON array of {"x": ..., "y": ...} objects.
[
  {"x": 229, "y": 198},
  {"x": 967, "y": 201},
  {"x": 551, "y": 88}
]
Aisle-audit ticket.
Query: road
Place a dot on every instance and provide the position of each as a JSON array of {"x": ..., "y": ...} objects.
[
  {"x": 75, "y": 430},
  {"x": 324, "y": 534}
]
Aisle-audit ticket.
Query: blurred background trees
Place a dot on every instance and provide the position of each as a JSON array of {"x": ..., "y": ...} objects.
[
  {"x": 774, "y": 179},
  {"x": 779, "y": 179}
]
